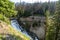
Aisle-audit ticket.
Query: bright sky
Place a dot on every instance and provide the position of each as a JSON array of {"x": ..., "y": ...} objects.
[{"x": 32, "y": 1}]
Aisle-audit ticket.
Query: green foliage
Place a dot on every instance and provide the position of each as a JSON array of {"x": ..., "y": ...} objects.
[
  {"x": 7, "y": 8},
  {"x": 23, "y": 13},
  {"x": 53, "y": 24},
  {"x": 57, "y": 20},
  {"x": 37, "y": 9},
  {"x": 1, "y": 17},
  {"x": 26, "y": 14},
  {"x": 50, "y": 27}
]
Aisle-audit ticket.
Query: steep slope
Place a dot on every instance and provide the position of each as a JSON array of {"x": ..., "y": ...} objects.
[{"x": 8, "y": 33}]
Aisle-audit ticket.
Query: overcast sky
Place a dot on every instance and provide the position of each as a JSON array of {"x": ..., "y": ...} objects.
[{"x": 31, "y": 1}]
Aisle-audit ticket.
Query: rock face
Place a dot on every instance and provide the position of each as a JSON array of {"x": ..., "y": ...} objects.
[{"x": 38, "y": 30}]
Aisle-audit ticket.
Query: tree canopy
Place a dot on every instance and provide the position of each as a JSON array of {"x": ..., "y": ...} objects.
[
  {"x": 7, "y": 8},
  {"x": 53, "y": 24}
]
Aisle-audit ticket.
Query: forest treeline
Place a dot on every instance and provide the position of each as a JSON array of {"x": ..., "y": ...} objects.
[{"x": 28, "y": 9}]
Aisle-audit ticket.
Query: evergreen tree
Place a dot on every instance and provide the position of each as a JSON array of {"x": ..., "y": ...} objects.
[
  {"x": 53, "y": 24},
  {"x": 50, "y": 28},
  {"x": 57, "y": 20}
]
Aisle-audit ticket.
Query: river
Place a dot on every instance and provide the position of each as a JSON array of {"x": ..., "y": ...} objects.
[{"x": 17, "y": 27}]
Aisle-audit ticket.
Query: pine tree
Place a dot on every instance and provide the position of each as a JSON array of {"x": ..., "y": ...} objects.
[
  {"x": 57, "y": 20},
  {"x": 53, "y": 27},
  {"x": 50, "y": 28}
]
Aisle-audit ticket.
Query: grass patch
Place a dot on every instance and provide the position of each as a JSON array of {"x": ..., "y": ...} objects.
[
  {"x": 11, "y": 31},
  {"x": 11, "y": 37},
  {"x": 23, "y": 36}
]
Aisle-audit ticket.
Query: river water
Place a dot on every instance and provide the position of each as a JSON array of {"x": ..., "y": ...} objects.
[{"x": 17, "y": 27}]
